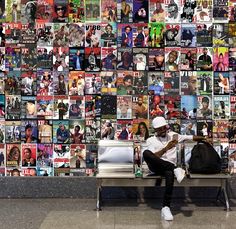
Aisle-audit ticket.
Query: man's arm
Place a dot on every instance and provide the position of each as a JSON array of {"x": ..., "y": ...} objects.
[{"x": 169, "y": 146}]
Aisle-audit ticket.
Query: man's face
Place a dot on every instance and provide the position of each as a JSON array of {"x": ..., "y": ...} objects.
[
  {"x": 27, "y": 154},
  {"x": 30, "y": 107},
  {"x": 146, "y": 32},
  {"x": 159, "y": 58},
  {"x": 78, "y": 53},
  {"x": 192, "y": 83},
  {"x": 62, "y": 127},
  {"x": 204, "y": 51},
  {"x": 128, "y": 83},
  {"x": 109, "y": 29},
  {"x": 161, "y": 131},
  {"x": 140, "y": 101},
  {"x": 127, "y": 30},
  {"x": 172, "y": 57},
  {"x": 219, "y": 31},
  {"x": 205, "y": 105},
  {"x": 28, "y": 132},
  {"x": 60, "y": 11}
]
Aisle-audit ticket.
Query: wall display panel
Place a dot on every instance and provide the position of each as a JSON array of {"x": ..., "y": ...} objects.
[{"x": 73, "y": 72}]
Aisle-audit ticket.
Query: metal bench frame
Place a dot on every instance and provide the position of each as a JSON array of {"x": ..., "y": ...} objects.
[{"x": 193, "y": 180}]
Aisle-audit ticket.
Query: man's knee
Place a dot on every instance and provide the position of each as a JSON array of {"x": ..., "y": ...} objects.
[{"x": 147, "y": 154}]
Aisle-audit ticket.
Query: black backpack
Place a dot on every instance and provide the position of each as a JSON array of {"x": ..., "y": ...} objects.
[{"x": 204, "y": 159}]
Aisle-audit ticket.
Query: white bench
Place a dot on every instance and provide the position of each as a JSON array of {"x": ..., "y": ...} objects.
[{"x": 117, "y": 171}]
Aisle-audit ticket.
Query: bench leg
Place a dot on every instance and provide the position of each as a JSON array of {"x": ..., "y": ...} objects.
[
  {"x": 223, "y": 188},
  {"x": 218, "y": 194},
  {"x": 98, "y": 204}
]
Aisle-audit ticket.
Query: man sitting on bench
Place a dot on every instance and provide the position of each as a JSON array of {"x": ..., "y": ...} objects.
[{"x": 161, "y": 157}]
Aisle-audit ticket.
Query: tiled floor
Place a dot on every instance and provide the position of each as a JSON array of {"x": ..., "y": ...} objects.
[{"x": 77, "y": 213}]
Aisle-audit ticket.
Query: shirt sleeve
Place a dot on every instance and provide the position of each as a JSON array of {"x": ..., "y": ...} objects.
[{"x": 185, "y": 137}]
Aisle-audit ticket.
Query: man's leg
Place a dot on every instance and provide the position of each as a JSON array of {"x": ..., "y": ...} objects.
[{"x": 163, "y": 168}]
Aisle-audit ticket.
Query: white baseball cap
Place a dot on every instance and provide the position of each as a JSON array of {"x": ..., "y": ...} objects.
[{"x": 158, "y": 122}]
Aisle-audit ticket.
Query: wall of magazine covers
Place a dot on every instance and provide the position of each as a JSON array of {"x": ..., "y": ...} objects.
[{"x": 74, "y": 72}]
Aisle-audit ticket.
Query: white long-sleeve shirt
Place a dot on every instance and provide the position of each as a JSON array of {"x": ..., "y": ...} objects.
[{"x": 155, "y": 144}]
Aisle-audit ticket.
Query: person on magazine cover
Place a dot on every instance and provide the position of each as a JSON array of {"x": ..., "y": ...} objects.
[
  {"x": 126, "y": 38},
  {"x": 205, "y": 110},
  {"x": 77, "y": 137},
  {"x": 205, "y": 60},
  {"x": 158, "y": 14},
  {"x": 142, "y": 132},
  {"x": 161, "y": 157},
  {"x": 171, "y": 64},
  {"x": 77, "y": 61},
  {"x": 220, "y": 66},
  {"x": 63, "y": 135},
  {"x": 29, "y": 138},
  {"x": 140, "y": 110},
  {"x": 125, "y": 11},
  {"x": 62, "y": 109},
  {"x": 28, "y": 159},
  {"x": 61, "y": 13},
  {"x": 109, "y": 131}
]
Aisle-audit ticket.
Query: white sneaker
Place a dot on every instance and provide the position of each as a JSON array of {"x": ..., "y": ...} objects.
[
  {"x": 180, "y": 174},
  {"x": 166, "y": 213}
]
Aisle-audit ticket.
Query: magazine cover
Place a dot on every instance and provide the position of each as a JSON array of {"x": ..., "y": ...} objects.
[
  {"x": 125, "y": 36},
  {"x": 124, "y": 83},
  {"x": 92, "y": 10},
  {"x": 221, "y": 107},
  {"x": 172, "y": 11},
  {"x": 76, "y": 59},
  {"x": 232, "y": 34},
  {"x": 124, "y": 107},
  {"x": 109, "y": 34},
  {"x": 188, "y": 11},
  {"x": 172, "y": 35},
  {"x": 60, "y": 58},
  {"x": 44, "y": 82},
  {"x": 108, "y": 10},
  {"x": 124, "y": 11},
  {"x": 188, "y": 59},
  {"x": 77, "y": 131},
  {"x": 205, "y": 83},
  {"x": 108, "y": 58},
  {"x": 140, "y": 11},
  {"x": 140, "y": 129},
  {"x": 232, "y": 158},
  {"x": 2, "y": 159},
  {"x": 232, "y": 59},
  {"x": 220, "y": 34},
  {"x": 204, "y": 34},
  {"x": 61, "y": 159},
  {"x": 204, "y": 59},
  {"x": 188, "y": 127},
  {"x": 28, "y": 107},
  {"x": 92, "y": 106},
  {"x": 12, "y": 83},
  {"x": 221, "y": 83},
  {"x": 204, "y": 109},
  {"x": 77, "y": 107},
  {"x": 232, "y": 107},
  {"x": 29, "y": 131},
  {"x": 155, "y": 83},
  {"x": 157, "y": 34},
  {"x": 76, "y": 11},
  {"x": 108, "y": 82},
  {"x": 13, "y": 10},
  {"x": 221, "y": 130},
  {"x": 45, "y": 131},
  {"x": 92, "y": 130},
  {"x": 188, "y": 106},
  {"x": 61, "y": 107},
  {"x": 204, "y": 11},
  {"x": 13, "y": 106},
  {"x": 45, "y": 107},
  {"x": 188, "y": 83},
  {"x": 60, "y": 83},
  {"x": 172, "y": 59},
  {"x": 91, "y": 159},
  {"x": 140, "y": 83},
  {"x": 44, "y": 11},
  {"x": 220, "y": 11},
  {"x": 156, "y": 59},
  {"x": 140, "y": 107},
  {"x": 156, "y": 11},
  {"x": 141, "y": 37},
  {"x": 61, "y": 132},
  {"x": 28, "y": 34},
  {"x": 171, "y": 83},
  {"x": 12, "y": 33},
  {"x": 221, "y": 59},
  {"x": 3, "y": 77},
  {"x": 28, "y": 172},
  {"x": 232, "y": 131},
  {"x": 77, "y": 159},
  {"x": 188, "y": 35},
  {"x": 60, "y": 35},
  {"x": 172, "y": 106},
  {"x": 60, "y": 11},
  {"x": 108, "y": 106},
  {"x": 92, "y": 35},
  {"x": 28, "y": 155},
  {"x": 2, "y": 131},
  {"x": 28, "y": 83},
  {"x": 93, "y": 83},
  {"x": 124, "y": 130},
  {"x": 76, "y": 36},
  {"x": 44, "y": 57},
  {"x": 92, "y": 59},
  {"x": 2, "y": 107},
  {"x": 13, "y": 155},
  {"x": 156, "y": 106},
  {"x": 124, "y": 59},
  {"x": 204, "y": 128},
  {"x": 44, "y": 34},
  {"x": 108, "y": 129},
  {"x": 12, "y": 131},
  {"x": 12, "y": 58},
  {"x": 232, "y": 82},
  {"x": 174, "y": 125},
  {"x": 76, "y": 83}
]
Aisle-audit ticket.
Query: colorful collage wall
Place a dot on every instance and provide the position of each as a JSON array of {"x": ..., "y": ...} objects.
[{"x": 74, "y": 72}]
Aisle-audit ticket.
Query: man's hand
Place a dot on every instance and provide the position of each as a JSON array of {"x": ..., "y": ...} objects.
[{"x": 171, "y": 144}]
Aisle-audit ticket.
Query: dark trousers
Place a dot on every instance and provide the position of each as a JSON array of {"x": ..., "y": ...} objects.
[{"x": 163, "y": 168}]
